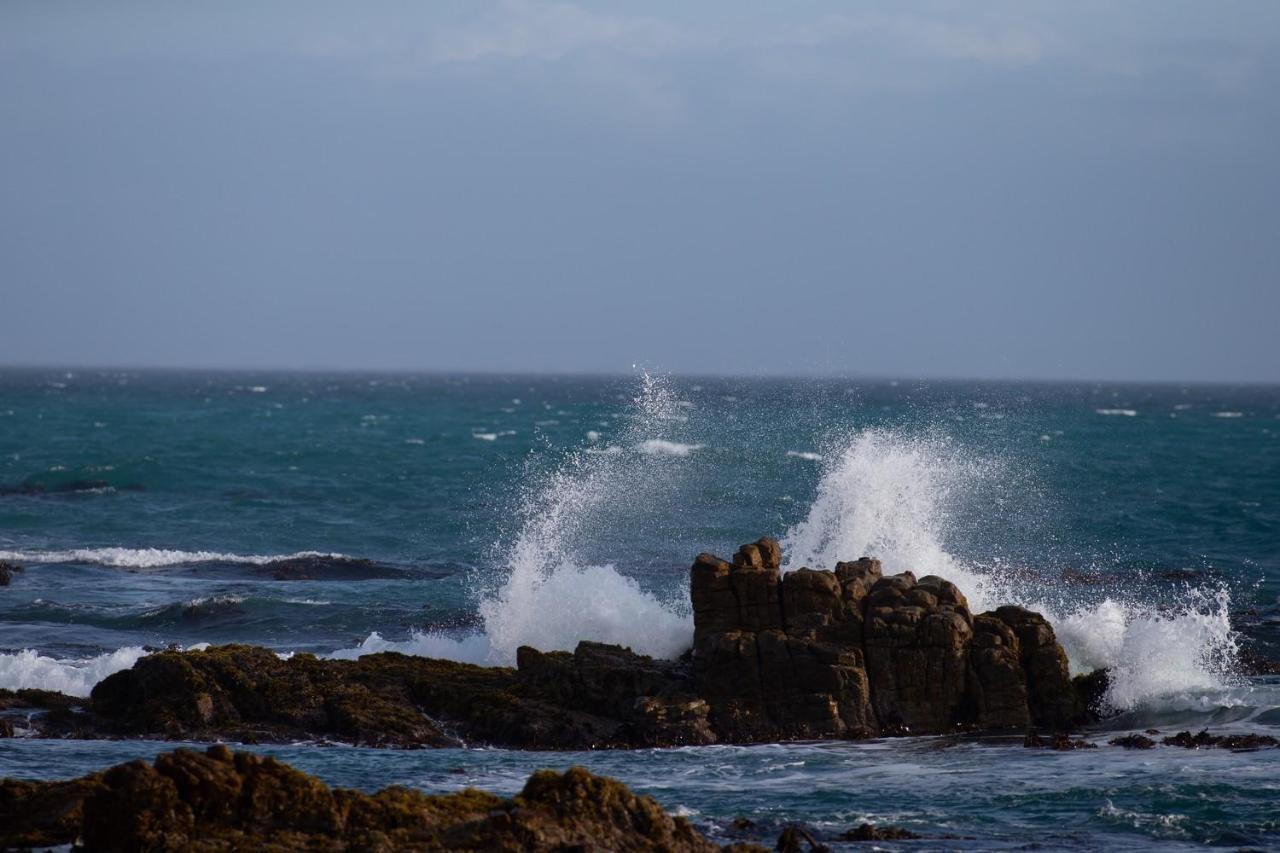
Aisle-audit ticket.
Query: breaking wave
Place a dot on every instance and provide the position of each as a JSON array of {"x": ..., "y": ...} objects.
[
  {"x": 151, "y": 558},
  {"x": 74, "y": 676},
  {"x": 894, "y": 497}
]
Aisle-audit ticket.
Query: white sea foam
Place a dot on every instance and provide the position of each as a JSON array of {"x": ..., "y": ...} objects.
[
  {"x": 662, "y": 447},
  {"x": 485, "y": 436},
  {"x": 1181, "y": 657},
  {"x": 150, "y": 558},
  {"x": 73, "y": 676},
  {"x": 1127, "y": 413},
  {"x": 1228, "y": 414},
  {"x": 805, "y": 454}
]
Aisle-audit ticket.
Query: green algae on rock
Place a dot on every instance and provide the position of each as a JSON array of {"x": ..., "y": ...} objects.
[{"x": 219, "y": 800}]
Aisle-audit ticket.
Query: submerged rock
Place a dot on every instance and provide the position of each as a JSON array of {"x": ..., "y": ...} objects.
[
  {"x": 7, "y": 571},
  {"x": 219, "y": 800}
]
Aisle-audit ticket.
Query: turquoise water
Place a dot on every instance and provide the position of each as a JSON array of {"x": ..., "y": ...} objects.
[{"x": 152, "y": 508}]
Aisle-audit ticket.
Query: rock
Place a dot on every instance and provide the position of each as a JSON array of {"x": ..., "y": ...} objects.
[
  {"x": 795, "y": 839},
  {"x": 1133, "y": 741},
  {"x": 1059, "y": 742},
  {"x": 218, "y": 800},
  {"x": 867, "y": 832},
  {"x": 1204, "y": 740},
  {"x": 7, "y": 571},
  {"x": 850, "y": 652},
  {"x": 847, "y": 653},
  {"x": 6, "y": 728},
  {"x": 327, "y": 567}
]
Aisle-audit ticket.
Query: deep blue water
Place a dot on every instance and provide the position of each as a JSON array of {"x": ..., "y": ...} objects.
[{"x": 148, "y": 509}]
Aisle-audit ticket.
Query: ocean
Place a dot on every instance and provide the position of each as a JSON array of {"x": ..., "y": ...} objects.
[{"x": 484, "y": 512}]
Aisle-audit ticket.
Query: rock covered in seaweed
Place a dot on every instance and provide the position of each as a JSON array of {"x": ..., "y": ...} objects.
[{"x": 219, "y": 800}]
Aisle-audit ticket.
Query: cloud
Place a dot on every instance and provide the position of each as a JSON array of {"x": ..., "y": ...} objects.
[{"x": 520, "y": 29}]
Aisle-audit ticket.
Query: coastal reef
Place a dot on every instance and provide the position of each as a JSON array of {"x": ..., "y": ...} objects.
[
  {"x": 224, "y": 800},
  {"x": 846, "y": 653}
]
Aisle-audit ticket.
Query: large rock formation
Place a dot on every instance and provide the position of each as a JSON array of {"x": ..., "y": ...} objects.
[
  {"x": 851, "y": 652},
  {"x": 220, "y": 800},
  {"x": 811, "y": 654}
]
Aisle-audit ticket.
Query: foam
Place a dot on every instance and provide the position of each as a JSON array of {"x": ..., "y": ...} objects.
[
  {"x": 150, "y": 558},
  {"x": 1228, "y": 414},
  {"x": 73, "y": 676},
  {"x": 805, "y": 454},
  {"x": 662, "y": 447},
  {"x": 1176, "y": 658},
  {"x": 1127, "y": 413}
]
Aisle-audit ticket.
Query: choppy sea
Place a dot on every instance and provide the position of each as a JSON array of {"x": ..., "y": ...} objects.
[{"x": 481, "y": 513}]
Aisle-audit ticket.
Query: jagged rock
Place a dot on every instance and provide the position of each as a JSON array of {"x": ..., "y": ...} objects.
[
  {"x": 851, "y": 652},
  {"x": 219, "y": 800}
]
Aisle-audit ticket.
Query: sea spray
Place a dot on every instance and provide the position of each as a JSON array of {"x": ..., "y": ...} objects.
[
  {"x": 892, "y": 496},
  {"x": 548, "y": 595},
  {"x": 895, "y": 497}
]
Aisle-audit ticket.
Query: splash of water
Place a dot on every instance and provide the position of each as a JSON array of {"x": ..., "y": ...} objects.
[
  {"x": 549, "y": 597},
  {"x": 894, "y": 497},
  {"x": 891, "y": 497}
]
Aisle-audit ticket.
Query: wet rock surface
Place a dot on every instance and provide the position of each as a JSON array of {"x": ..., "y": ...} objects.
[
  {"x": 222, "y": 800},
  {"x": 847, "y": 653}
]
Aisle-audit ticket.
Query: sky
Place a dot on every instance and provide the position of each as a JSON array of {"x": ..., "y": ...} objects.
[{"x": 1083, "y": 190}]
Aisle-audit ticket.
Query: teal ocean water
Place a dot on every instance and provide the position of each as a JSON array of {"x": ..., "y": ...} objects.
[{"x": 480, "y": 513}]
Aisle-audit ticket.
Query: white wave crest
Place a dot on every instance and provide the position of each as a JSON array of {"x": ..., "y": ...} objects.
[
  {"x": 150, "y": 558},
  {"x": 73, "y": 676},
  {"x": 805, "y": 454},
  {"x": 1126, "y": 413},
  {"x": 662, "y": 447},
  {"x": 1228, "y": 414}
]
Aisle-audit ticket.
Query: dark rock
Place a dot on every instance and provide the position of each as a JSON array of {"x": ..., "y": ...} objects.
[
  {"x": 312, "y": 567},
  {"x": 1133, "y": 741},
  {"x": 219, "y": 800},
  {"x": 1205, "y": 740},
  {"x": 7, "y": 571},
  {"x": 1091, "y": 689},
  {"x": 6, "y": 728},
  {"x": 867, "y": 832},
  {"x": 1060, "y": 742},
  {"x": 795, "y": 839}
]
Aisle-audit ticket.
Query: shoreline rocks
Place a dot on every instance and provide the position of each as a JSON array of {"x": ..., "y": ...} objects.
[
  {"x": 219, "y": 800},
  {"x": 847, "y": 653}
]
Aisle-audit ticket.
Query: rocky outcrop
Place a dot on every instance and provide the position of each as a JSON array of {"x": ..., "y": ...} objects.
[
  {"x": 852, "y": 652},
  {"x": 846, "y": 653},
  {"x": 220, "y": 800}
]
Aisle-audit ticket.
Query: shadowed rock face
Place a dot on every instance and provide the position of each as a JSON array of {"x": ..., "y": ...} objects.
[
  {"x": 851, "y": 652},
  {"x": 220, "y": 800},
  {"x": 813, "y": 654}
]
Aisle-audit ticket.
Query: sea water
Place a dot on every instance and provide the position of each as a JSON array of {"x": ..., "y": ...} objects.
[{"x": 150, "y": 508}]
